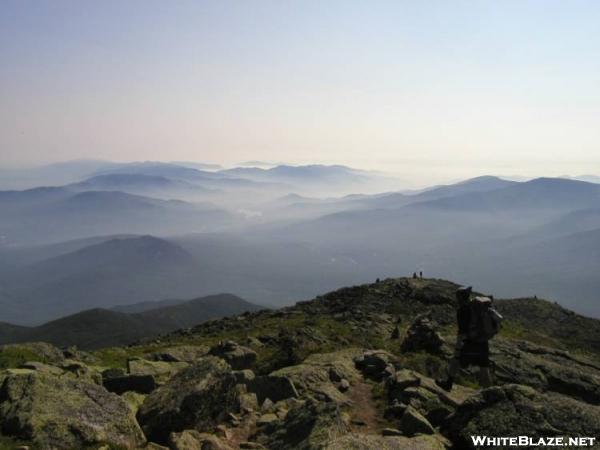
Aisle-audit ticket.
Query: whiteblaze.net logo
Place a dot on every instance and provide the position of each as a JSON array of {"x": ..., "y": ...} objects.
[{"x": 526, "y": 441}]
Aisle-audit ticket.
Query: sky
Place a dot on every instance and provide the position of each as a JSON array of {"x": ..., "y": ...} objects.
[{"x": 432, "y": 90}]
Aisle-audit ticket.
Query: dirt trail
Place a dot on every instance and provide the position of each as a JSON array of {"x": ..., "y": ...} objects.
[{"x": 364, "y": 415}]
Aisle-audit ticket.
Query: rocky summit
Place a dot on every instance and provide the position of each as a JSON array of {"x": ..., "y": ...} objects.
[{"x": 352, "y": 369}]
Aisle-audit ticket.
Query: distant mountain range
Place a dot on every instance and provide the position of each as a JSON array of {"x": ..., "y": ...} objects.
[
  {"x": 46, "y": 215},
  {"x": 318, "y": 179},
  {"x": 98, "y": 327},
  {"x": 274, "y": 244},
  {"x": 117, "y": 271}
]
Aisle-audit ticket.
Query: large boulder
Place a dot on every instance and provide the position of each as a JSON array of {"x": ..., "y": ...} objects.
[
  {"x": 410, "y": 388},
  {"x": 546, "y": 369},
  {"x": 237, "y": 356},
  {"x": 65, "y": 413},
  {"x": 161, "y": 371},
  {"x": 321, "y": 375},
  {"x": 307, "y": 426},
  {"x": 514, "y": 410},
  {"x": 376, "y": 364},
  {"x": 413, "y": 422},
  {"x": 197, "y": 398},
  {"x": 273, "y": 387}
]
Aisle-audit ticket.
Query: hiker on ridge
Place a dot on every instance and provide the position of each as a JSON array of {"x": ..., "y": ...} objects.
[{"x": 478, "y": 322}]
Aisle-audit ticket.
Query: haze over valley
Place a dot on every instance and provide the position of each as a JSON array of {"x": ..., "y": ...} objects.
[{"x": 123, "y": 233}]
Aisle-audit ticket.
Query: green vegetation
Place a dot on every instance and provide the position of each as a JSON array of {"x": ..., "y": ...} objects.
[
  {"x": 15, "y": 357},
  {"x": 322, "y": 351}
]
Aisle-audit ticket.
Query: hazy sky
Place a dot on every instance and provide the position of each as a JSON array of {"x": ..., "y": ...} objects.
[{"x": 428, "y": 88}]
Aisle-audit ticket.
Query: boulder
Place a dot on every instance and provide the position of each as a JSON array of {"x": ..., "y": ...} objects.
[
  {"x": 197, "y": 398},
  {"x": 344, "y": 385},
  {"x": 317, "y": 376},
  {"x": 408, "y": 387},
  {"x": 160, "y": 370},
  {"x": 194, "y": 440},
  {"x": 134, "y": 400},
  {"x": 395, "y": 410},
  {"x": 247, "y": 402},
  {"x": 267, "y": 419},
  {"x": 65, "y": 413},
  {"x": 244, "y": 376},
  {"x": 375, "y": 363},
  {"x": 237, "y": 356},
  {"x": 273, "y": 387},
  {"x": 412, "y": 422},
  {"x": 181, "y": 353},
  {"x": 267, "y": 406},
  {"x": 513, "y": 410},
  {"x": 546, "y": 369},
  {"x": 81, "y": 370},
  {"x": 307, "y": 426},
  {"x": 422, "y": 336}
]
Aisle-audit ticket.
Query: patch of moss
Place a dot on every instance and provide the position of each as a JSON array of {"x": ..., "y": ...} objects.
[
  {"x": 112, "y": 357},
  {"x": 12, "y": 357}
]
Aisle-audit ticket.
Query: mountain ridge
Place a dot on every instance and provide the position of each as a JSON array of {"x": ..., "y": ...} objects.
[{"x": 98, "y": 327}]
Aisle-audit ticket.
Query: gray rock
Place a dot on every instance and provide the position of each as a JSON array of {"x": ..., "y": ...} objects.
[
  {"x": 546, "y": 369},
  {"x": 237, "y": 356},
  {"x": 181, "y": 353},
  {"x": 513, "y": 410},
  {"x": 412, "y": 423},
  {"x": 65, "y": 413},
  {"x": 244, "y": 376},
  {"x": 309, "y": 426},
  {"x": 344, "y": 385},
  {"x": 267, "y": 406},
  {"x": 197, "y": 398},
  {"x": 373, "y": 363},
  {"x": 395, "y": 410},
  {"x": 412, "y": 388},
  {"x": 267, "y": 419},
  {"x": 273, "y": 387},
  {"x": 160, "y": 370},
  {"x": 312, "y": 377}
]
